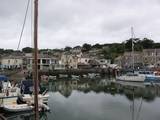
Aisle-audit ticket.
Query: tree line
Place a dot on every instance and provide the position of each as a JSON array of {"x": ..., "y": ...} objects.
[{"x": 109, "y": 51}]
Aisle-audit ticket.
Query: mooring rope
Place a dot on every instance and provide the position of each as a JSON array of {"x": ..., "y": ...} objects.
[{"x": 2, "y": 117}]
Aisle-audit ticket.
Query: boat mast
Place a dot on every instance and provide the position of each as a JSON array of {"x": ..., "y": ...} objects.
[
  {"x": 36, "y": 59},
  {"x": 132, "y": 38},
  {"x": 155, "y": 54}
]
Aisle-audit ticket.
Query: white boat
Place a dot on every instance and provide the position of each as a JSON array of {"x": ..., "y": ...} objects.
[
  {"x": 27, "y": 104},
  {"x": 131, "y": 77},
  {"x": 27, "y": 91},
  {"x": 75, "y": 77},
  {"x": 17, "y": 108},
  {"x": 14, "y": 108},
  {"x": 8, "y": 93},
  {"x": 140, "y": 76},
  {"x": 63, "y": 76},
  {"x": 93, "y": 75},
  {"x": 28, "y": 97}
]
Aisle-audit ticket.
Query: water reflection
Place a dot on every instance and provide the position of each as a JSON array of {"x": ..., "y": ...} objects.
[
  {"x": 25, "y": 116},
  {"x": 65, "y": 88},
  {"x": 100, "y": 99},
  {"x": 103, "y": 100}
]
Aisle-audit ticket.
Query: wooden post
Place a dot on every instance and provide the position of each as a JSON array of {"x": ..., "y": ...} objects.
[{"x": 36, "y": 91}]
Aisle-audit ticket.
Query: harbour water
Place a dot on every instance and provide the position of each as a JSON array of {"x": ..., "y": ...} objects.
[{"x": 99, "y": 99}]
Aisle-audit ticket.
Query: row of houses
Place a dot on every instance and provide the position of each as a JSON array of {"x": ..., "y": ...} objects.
[
  {"x": 49, "y": 62},
  {"x": 148, "y": 57}
]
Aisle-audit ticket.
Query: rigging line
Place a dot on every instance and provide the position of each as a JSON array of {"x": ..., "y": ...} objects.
[
  {"x": 133, "y": 106},
  {"x": 24, "y": 22},
  {"x": 139, "y": 110}
]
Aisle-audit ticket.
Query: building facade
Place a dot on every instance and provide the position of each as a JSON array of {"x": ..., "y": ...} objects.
[
  {"x": 148, "y": 57},
  {"x": 44, "y": 62},
  {"x": 11, "y": 62}
]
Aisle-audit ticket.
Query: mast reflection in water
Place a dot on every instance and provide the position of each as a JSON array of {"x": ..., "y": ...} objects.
[{"x": 101, "y": 100}]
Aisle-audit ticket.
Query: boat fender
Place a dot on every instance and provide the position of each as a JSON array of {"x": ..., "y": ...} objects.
[{"x": 7, "y": 93}]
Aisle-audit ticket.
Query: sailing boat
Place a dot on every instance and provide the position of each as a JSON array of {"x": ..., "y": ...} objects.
[{"x": 132, "y": 76}]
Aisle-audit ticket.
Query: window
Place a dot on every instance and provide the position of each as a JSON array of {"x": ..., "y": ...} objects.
[
  {"x": 44, "y": 61},
  {"x": 39, "y": 61},
  {"x": 8, "y": 61}
]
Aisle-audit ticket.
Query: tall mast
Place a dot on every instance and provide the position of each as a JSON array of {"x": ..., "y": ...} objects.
[
  {"x": 36, "y": 59},
  {"x": 155, "y": 54},
  {"x": 132, "y": 38}
]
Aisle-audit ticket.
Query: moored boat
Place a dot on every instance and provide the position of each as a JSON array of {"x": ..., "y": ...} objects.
[
  {"x": 14, "y": 108},
  {"x": 131, "y": 77},
  {"x": 27, "y": 91},
  {"x": 140, "y": 76},
  {"x": 17, "y": 107}
]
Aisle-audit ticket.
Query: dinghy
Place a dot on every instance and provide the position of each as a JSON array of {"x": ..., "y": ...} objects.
[
  {"x": 17, "y": 108},
  {"x": 14, "y": 108}
]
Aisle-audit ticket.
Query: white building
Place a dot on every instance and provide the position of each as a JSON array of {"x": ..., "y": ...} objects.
[
  {"x": 69, "y": 61},
  {"x": 44, "y": 62},
  {"x": 11, "y": 62}
]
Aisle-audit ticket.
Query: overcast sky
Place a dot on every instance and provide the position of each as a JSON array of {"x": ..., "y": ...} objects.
[{"x": 75, "y": 22}]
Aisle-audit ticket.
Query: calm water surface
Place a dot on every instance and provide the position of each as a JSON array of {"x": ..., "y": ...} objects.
[{"x": 99, "y": 100}]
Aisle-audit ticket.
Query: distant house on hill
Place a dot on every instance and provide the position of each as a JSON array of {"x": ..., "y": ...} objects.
[
  {"x": 69, "y": 61},
  {"x": 148, "y": 57},
  {"x": 76, "y": 50},
  {"x": 151, "y": 57},
  {"x": 126, "y": 60}
]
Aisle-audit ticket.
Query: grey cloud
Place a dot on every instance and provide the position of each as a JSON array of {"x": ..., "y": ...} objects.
[{"x": 74, "y": 22}]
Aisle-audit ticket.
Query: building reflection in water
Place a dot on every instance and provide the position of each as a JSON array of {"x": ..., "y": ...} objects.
[
  {"x": 132, "y": 91},
  {"x": 65, "y": 87}
]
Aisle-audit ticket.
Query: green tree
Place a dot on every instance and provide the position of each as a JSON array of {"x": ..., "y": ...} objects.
[
  {"x": 8, "y": 51},
  {"x": 156, "y": 45},
  {"x": 67, "y": 48},
  {"x": 1, "y": 51},
  {"x": 97, "y": 46},
  {"x": 27, "y": 50},
  {"x": 147, "y": 43},
  {"x": 86, "y": 47}
]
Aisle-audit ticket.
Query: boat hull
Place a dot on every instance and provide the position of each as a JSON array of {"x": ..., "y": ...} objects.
[
  {"x": 17, "y": 108},
  {"x": 131, "y": 78}
]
